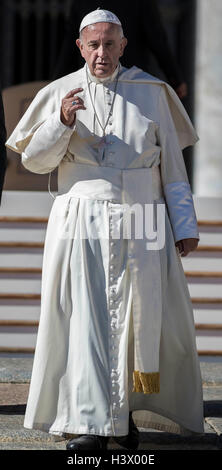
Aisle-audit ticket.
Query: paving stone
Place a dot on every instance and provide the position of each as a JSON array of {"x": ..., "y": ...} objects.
[
  {"x": 31, "y": 446},
  {"x": 212, "y": 392},
  {"x": 211, "y": 371},
  {"x": 17, "y": 394},
  {"x": 15, "y": 374},
  {"x": 16, "y": 369},
  {"x": 215, "y": 424},
  {"x": 13, "y": 394},
  {"x": 11, "y": 429},
  {"x": 14, "y": 436}
]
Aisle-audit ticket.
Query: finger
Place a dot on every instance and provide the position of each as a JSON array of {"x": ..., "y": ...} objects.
[
  {"x": 77, "y": 100},
  {"x": 183, "y": 250},
  {"x": 184, "y": 253},
  {"x": 180, "y": 246},
  {"x": 68, "y": 107},
  {"x": 73, "y": 92},
  {"x": 76, "y": 107},
  {"x": 186, "y": 249},
  {"x": 68, "y": 102}
]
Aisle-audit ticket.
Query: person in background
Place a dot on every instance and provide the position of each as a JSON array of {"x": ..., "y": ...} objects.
[{"x": 145, "y": 33}]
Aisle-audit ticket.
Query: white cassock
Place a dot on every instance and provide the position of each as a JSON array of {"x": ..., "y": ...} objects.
[{"x": 116, "y": 330}]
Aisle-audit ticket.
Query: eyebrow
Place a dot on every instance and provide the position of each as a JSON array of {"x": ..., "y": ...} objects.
[{"x": 95, "y": 41}]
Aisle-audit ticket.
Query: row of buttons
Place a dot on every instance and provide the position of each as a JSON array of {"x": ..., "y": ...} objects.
[{"x": 113, "y": 302}]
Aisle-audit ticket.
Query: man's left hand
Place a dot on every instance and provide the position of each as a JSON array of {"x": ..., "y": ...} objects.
[{"x": 186, "y": 245}]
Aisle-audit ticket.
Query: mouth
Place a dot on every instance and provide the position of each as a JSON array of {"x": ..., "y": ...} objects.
[{"x": 102, "y": 65}]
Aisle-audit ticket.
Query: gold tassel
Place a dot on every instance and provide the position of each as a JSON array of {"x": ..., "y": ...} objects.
[{"x": 146, "y": 382}]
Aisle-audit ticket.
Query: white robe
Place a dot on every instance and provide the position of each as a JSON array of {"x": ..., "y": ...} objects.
[{"x": 99, "y": 295}]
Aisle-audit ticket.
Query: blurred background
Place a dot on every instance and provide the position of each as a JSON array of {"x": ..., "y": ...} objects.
[
  {"x": 38, "y": 44},
  {"x": 34, "y": 35},
  {"x": 182, "y": 44}
]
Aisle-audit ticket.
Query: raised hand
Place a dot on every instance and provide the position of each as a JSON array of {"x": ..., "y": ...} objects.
[{"x": 70, "y": 104}]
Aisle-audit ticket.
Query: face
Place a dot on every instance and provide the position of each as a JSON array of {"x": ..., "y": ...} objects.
[{"x": 101, "y": 47}]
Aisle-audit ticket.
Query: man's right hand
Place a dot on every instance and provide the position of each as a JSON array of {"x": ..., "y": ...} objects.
[{"x": 68, "y": 110}]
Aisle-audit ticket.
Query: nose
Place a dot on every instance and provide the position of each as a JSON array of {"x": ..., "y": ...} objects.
[{"x": 101, "y": 51}]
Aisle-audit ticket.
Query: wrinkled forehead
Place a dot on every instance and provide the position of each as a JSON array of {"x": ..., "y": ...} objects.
[{"x": 94, "y": 31}]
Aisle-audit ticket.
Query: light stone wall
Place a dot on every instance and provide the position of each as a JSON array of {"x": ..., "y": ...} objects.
[{"x": 208, "y": 99}]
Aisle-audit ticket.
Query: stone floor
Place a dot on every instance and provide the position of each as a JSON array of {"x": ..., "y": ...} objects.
[{"x": 15, "y": 374}]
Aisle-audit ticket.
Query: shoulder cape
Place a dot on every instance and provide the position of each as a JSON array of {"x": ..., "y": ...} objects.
[
  {"x": 48, "y": 100},
  {"x": 183, "y": 125}
]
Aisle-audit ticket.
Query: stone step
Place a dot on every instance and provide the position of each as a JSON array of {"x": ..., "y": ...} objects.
[
  {"x": 15, "y": 373},
  {"x": 14, "y": 436},
  {"x": 17, "y": 368}
]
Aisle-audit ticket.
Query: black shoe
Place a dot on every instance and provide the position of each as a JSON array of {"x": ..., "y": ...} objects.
[
  {"x": 131, "y": 440},
  {"x": 88, "y": 441}
]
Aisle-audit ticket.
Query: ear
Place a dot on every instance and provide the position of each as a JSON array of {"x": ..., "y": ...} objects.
[
  {"x": 123, "y": 45},
  {"x": 79, "y": 45}
]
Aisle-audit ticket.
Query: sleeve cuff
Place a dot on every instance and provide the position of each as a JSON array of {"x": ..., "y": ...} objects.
[
  {"x": 181, "y": 210},
  {"x": 63, "y": 127}
]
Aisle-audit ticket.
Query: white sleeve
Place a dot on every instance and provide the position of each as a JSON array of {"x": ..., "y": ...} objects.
[
  {"x": 48, "y": 145},
  {"x": 175, "y": 181}
]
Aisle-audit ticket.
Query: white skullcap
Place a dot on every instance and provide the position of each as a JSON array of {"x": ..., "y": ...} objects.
[{"x": 99, "y": 16}]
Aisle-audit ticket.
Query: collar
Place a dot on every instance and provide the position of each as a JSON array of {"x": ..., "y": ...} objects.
[{"x": 93, "y": 78}]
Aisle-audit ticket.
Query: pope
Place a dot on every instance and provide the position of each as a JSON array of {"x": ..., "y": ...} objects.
[{"x": 116, "y": 345}]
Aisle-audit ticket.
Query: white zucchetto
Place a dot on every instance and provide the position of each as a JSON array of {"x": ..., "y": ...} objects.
[{"x": 99, "y": 16}]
